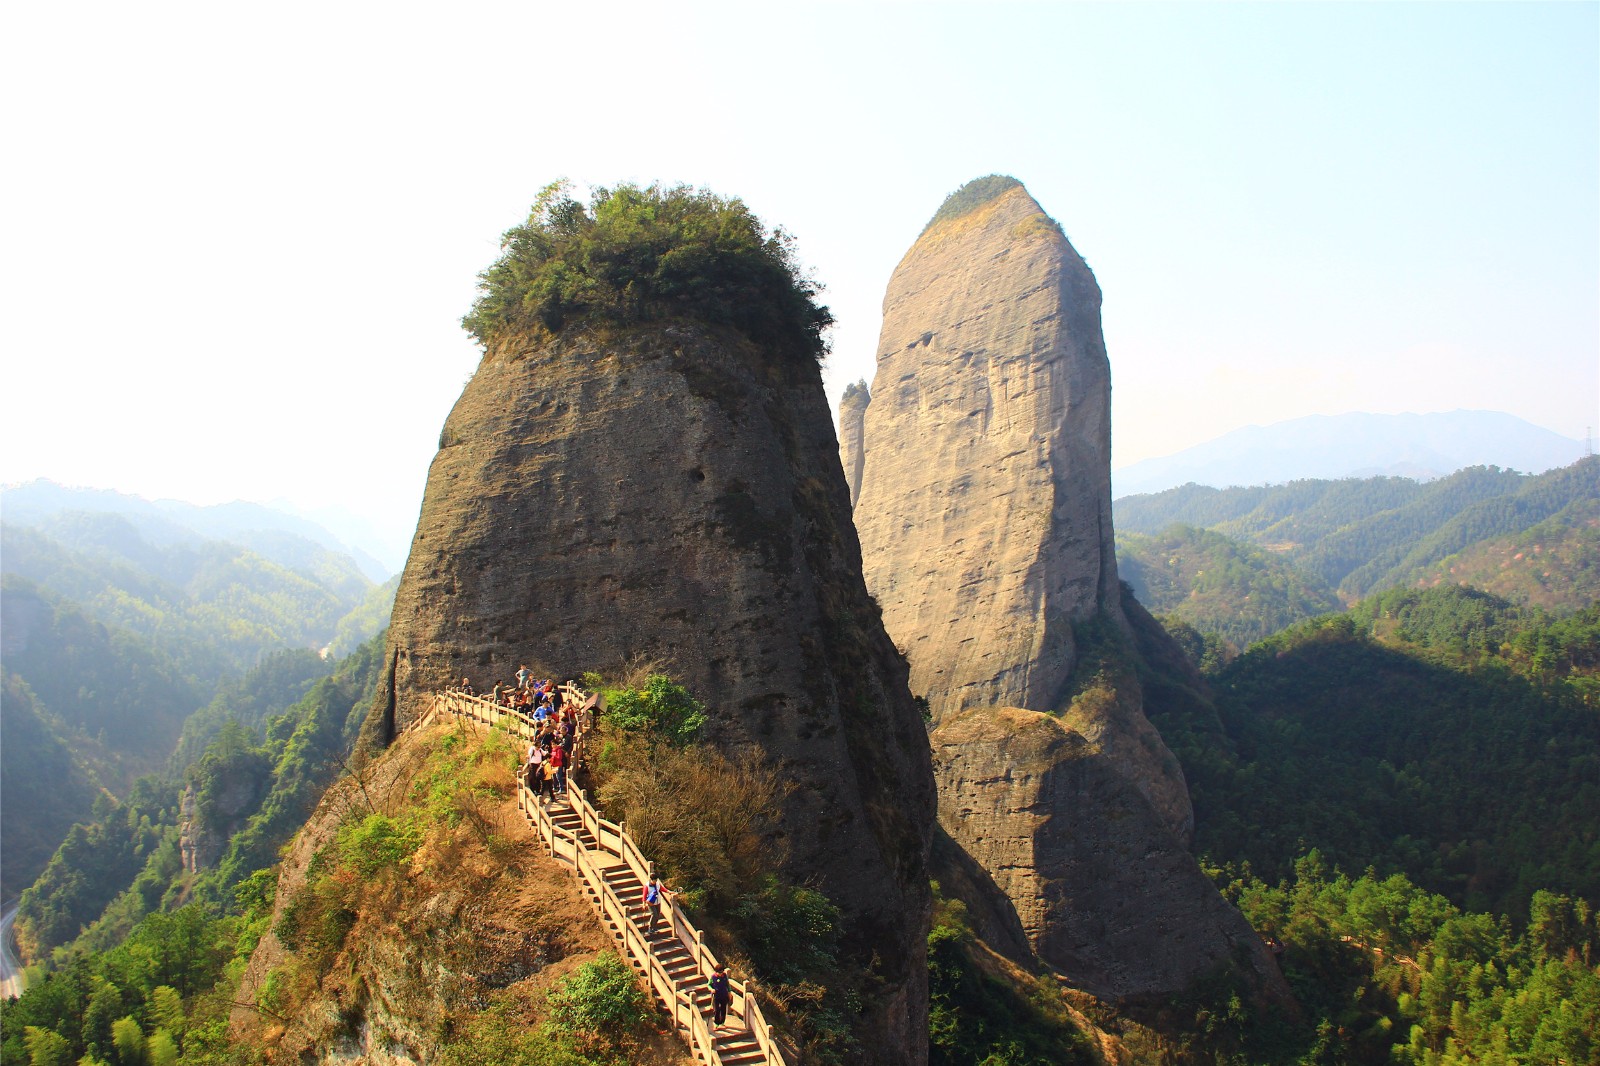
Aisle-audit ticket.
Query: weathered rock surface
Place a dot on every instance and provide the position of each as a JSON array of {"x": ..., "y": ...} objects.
[
  {"x": 1099, "y": 888},
  {"x": 985, "y": 519},
  {"x": 675, "y": 492},
  {"x": 985, "y": 502},
  {"x": 203, "y": 834},
  {"x": 852, "y": 424}
]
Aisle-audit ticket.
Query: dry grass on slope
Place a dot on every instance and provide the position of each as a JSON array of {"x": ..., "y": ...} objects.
[{"x": 418, "y": 919}]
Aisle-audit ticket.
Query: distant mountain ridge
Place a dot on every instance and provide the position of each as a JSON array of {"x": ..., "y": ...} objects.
[
  {"x": 260, "y": 528},
  {"x": 120, "y": 619},
  {"x": 1421, "y": 446},
  {"x": 1242, "y": 562}
]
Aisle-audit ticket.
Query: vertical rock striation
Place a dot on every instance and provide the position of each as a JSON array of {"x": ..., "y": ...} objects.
[
  {"x": 984, "y": 512},
  {"x": 852, "y": 423},
  {"x": 1100, "y": 888},
  {"x": 672, "y": 490},
  {"x": 985, "y": 502}
]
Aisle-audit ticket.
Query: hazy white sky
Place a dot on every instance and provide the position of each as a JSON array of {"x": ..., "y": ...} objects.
[{"x": 237, "y": 239}]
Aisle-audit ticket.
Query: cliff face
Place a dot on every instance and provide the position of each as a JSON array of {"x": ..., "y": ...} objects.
[
  {"x": 1101, "y": 890},
  {"x": 852, "y": 425},
  {"x": 985, "y": 519},
  {"x": 985, "y": 499},
  {"x": 985, "y": 502},
  {"x": 672, "y": 491}
]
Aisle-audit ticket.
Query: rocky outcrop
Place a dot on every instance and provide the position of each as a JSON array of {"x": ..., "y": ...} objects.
[
  {"x": 1099, "y": 888},
  {"x": 985, "y": 502},
  {"x": 852, "y": 423},
  {"x": 674, "y": 491},
  {"x": 985, "y": 519},
  {"x": 209, "y": 817}
]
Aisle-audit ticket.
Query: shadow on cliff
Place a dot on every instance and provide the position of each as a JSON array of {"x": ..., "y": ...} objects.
[{"x": 994, "y": 919}]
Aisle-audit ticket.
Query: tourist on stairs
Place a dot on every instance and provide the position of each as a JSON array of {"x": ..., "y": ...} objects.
[
  {"x": 652, "y": 902},
  {"x": 721, "y": 996}
]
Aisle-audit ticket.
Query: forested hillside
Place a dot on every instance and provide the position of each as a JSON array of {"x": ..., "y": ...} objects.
[
  {"x": 116, "y": 630},
  {"x": 1553, "y": 564},
  {"x": 1442, "y": 733},
  {"x": 1421, "y": 542},
  {"x": 1241, "y": 563},
  {"x": 122, "y": 702},
  {"x": 281, "y": 680},
  {"x": 1219, "y": 584},
  {"x": 137, "y": 937},
  {"x": 212, "y": 607},
  {"x": 36, "y": 764},
  {"x": 1448, "y": 743},
  {"x": 244, "y": 795}
]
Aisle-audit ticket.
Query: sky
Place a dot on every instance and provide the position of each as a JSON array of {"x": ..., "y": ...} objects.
[{"x": 236, "y": 240}]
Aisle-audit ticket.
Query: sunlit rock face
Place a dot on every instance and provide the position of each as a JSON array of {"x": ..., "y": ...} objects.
[
  {"x": 984, "y": 506},
  {"x": 984, "y": 511},
  {"x": 1101, "y": 889},
  {"x": 674, "y": 492},
  {"x": 985, "y": 502}
]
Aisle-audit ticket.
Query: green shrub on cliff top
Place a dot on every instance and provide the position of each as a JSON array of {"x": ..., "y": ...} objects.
[
  {"x": 974, "y": 194},
  {"x": 637, "y": 254}
]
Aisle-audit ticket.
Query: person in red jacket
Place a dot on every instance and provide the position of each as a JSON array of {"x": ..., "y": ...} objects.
[{"x": 558, "y": 759}]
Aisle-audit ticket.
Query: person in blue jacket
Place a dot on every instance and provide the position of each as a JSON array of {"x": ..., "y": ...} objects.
[{"x": 721, "y": 996}]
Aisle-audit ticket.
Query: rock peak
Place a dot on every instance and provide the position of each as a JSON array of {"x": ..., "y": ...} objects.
[
  {"x": 973, "y": 195},
  {"x": 665, "y": 483},
  {"x": 984, "y": 455},
  {"x": 852, "y": 421},
  {"x": 981, "y": 470}
]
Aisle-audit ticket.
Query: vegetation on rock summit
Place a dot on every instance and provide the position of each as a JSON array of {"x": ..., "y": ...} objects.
[
  {"x": 974, "y": 194},
  {"x": 638, "y": 254}
]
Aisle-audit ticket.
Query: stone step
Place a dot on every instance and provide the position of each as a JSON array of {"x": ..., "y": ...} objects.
[{"x": 744, "y": 1055}]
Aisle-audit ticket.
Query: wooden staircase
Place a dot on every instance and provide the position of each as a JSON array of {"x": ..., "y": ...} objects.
[{"x": 673, "y": 957}]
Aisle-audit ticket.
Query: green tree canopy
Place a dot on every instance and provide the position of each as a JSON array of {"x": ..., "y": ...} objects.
[
  {"x": 637, "y": 254},
  {"x": 662, "y": 710}
]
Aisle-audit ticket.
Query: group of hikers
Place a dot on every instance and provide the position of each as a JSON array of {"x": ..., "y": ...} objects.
[
  {"x": 555, "y": 748},
  {"x": 557, "y": 745}
]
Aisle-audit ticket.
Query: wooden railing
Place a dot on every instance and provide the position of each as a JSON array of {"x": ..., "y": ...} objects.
[{"x": 612, "y": 839}]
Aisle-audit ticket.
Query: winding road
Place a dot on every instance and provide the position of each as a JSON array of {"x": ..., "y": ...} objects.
[{"x": 10, "y": 966}]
